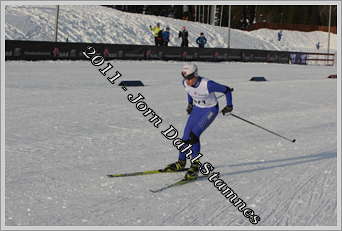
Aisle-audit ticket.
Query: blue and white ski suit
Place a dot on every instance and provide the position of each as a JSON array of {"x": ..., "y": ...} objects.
[{"x": 204, "y": 111}]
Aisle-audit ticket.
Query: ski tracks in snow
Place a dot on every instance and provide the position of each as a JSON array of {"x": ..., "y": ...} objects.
[{"x": 297, "y": 199}]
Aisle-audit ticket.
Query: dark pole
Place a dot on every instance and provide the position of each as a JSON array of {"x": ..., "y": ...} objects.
[
  {"x": 274, "y": 133},
  {"x": 56, "y": 29},
  {"x": 229, "y": 16}
]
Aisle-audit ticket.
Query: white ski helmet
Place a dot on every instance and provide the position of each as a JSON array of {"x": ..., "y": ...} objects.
[{"x": 189, "y": 71}]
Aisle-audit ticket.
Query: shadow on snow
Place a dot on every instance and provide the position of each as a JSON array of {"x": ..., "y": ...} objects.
[{"x": 297, "y": 160}]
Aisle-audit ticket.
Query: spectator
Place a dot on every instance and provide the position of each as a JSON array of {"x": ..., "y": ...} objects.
[
  {"x": 280, "y": 34},
  {"x": 303, "y": 58},
  {"x": 242, "y": 25},
  {"x": 160, "y": 39},
  {"x": 166, "y": 36},
  {"x": 247, "y": 23},
  {"x": 293, "y": 58},
  {"x": 183, "y": 34},
  {"x": 201, "y": 40},
  {"x": 318, "y": 45},
  {"x": 155, "y": 30}
]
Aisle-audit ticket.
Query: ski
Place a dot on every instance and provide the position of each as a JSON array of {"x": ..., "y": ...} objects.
[
  {"x": 177, "y": 183},
  {"x": 145, "y": 173}
]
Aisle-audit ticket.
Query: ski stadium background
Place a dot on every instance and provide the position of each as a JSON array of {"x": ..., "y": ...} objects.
[{"x": 59, "y": 42}]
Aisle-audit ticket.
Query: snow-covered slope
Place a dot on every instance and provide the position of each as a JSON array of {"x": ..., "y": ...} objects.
[
  {"x": 104, "y": 25},
  {"x": 67, "y": 127}
]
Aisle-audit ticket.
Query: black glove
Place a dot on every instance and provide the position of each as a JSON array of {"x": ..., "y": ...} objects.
[
  {"x": 189, "y": 108},
  {"x": 227, "y": 109}
]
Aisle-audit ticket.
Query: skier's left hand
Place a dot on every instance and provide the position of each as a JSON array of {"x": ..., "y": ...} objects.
[{"x": 227, "y": 109}]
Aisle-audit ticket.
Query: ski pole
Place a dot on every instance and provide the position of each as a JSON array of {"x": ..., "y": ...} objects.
[{"x": 274, "y": 133}]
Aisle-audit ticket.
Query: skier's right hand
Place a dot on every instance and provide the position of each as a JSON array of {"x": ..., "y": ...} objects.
[{"x": 189, "y": 108}]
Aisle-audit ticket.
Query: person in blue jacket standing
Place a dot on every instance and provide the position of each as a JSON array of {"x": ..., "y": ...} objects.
[
  {"x": 166, "y": 36},
  {"x": 202, "y": 109},
  {"x": 201, "y": 40},
  {"x": 280, "y": 35}
]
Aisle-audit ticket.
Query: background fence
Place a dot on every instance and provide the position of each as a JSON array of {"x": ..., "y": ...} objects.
[
  {"x": 37, "y": 50},
  {"x": 296, "y": 27}
]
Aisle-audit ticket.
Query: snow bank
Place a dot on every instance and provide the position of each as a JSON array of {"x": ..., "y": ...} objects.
[{"x": 104, "y": 25}]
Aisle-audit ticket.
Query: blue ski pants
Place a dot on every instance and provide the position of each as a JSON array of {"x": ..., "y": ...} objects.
[{"x": 198, "y": 120}]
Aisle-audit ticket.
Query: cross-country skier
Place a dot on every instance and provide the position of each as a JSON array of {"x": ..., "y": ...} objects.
[{"x": 202, "y": 109}]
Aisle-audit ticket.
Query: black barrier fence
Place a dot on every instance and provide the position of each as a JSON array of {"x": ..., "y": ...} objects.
[{"x": 41, "y": 50}]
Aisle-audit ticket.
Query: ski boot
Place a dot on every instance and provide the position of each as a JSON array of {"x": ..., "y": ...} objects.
[
  {"x": 193, "y": 171},
  {"x": 176, "y": 166}
]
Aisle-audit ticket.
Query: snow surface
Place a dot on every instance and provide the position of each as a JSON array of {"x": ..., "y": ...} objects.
[
  {"x": 67, "y": 127},
  {"x": 97, "y": 24}
]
